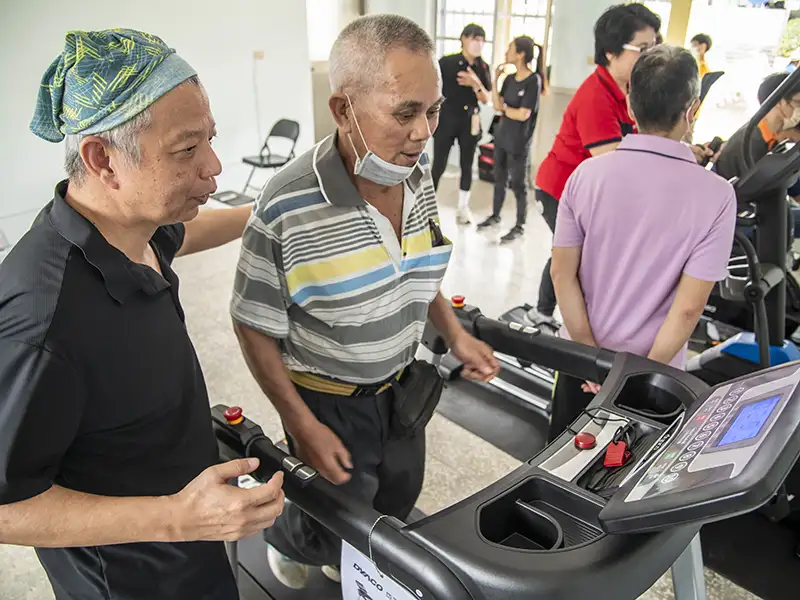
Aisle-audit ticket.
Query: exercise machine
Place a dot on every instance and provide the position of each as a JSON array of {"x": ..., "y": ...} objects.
[
  {"x": 758, "y": 278},
  {"x": 601, "y": 512}
]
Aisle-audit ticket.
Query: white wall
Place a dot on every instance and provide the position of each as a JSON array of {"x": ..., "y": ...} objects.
[
  {"x": 572, "y": 49},
  {"x": 326, "y": 18},
  {"x": 218, "y": 40}
]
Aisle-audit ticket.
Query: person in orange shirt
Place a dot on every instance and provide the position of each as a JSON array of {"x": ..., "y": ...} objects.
[
  {"x": 779, "y": 124},
  {"x": 700, "y": 45}
]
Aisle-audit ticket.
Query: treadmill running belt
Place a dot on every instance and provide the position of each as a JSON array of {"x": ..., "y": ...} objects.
[
  {"x": 253, "y": 563},
  {"x": 484, "y": 411}
]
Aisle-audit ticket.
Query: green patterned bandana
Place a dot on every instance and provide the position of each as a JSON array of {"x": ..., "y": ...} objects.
[{"x": 104, "y": 79}]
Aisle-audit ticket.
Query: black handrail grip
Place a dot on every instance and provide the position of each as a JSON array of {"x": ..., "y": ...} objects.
[{"x": 361, "y": 525}]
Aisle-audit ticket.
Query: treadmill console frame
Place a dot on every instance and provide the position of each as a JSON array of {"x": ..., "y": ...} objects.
[{"x": 695, "y": 477}]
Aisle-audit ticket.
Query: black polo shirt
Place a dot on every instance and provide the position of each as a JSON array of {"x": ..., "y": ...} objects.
[
  {"x": 460, "y": 99},
  {"x": 102, "y": 393}
]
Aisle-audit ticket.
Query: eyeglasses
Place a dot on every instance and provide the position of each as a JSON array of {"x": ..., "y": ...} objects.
[{"x": 633, "y": 48}]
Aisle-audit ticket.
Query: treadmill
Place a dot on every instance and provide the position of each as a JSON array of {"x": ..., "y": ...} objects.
[{"x": 602, "y": 512}]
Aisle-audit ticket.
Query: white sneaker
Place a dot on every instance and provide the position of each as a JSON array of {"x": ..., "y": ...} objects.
[
  {"x": 293, "y": 575},
  {"x": 463, "y": 216},
  {"x": 332, "y": 572}
]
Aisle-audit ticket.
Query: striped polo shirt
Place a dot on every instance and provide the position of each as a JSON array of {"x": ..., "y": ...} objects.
[{"x": 322, "y": 271}]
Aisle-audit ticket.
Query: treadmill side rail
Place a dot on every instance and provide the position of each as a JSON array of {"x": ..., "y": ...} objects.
[{"x": 377, "y": 536}]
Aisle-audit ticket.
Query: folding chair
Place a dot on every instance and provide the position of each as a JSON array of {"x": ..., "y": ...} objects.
[{"x": 266, "y": 159}]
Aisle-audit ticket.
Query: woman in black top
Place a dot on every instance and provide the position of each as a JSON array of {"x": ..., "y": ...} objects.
[
  {"x": 518, "y": 103},
  {"x": 465, "y": 81}
]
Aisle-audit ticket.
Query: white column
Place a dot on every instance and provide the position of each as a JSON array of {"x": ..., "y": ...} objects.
[{"x": 572, "y": 51}]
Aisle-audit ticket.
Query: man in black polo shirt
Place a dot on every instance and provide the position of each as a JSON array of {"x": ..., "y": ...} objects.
[{"x": 107, "y": 456}]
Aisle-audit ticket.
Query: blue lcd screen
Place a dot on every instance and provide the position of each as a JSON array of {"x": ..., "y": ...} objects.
[{"x": 749, "y": 421}]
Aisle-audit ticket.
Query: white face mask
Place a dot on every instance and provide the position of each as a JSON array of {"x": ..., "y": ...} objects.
[
  {"x": 792, "y": 121},
  {"x": 474, "y": 48},
  {"x": 373, "y": 167}
]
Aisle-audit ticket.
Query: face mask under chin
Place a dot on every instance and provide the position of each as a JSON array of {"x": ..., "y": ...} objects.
[{"x": 373, "y": 167}]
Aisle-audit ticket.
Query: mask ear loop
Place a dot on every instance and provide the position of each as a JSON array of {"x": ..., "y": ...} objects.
[{"x": 349, "y": 137}]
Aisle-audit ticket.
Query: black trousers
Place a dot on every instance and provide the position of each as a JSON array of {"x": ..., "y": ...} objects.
[
  {"x": 569, "y": 400},
  {"x": 454, "y": 127},
  {"x": 515, "y": 165},
  {"x": 387, "y": 473},
  {"x": 546, "y": 303}
]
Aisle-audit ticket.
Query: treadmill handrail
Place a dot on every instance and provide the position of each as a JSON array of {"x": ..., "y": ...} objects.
[
  {"x": 377, "y": 536},
  {"x": 530, "y": 344}
]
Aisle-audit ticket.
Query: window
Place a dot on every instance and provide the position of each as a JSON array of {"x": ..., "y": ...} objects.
[
  {"x": 528, "y": 17},
  {"x": 454, "y": 15}
]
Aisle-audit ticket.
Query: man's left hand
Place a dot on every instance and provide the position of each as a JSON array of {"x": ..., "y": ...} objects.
[
  {"x": 478, "y": 358},
  {"x": 468, "y": 78}
]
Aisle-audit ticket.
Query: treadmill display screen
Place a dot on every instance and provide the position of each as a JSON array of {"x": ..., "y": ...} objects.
[{"x": 749, "y": 421}]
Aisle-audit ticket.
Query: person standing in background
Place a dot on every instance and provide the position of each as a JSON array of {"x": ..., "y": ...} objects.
[
  {"x": 518, "y": 103},
  {"x": 625, "y": 281},
  {"x": 596, "y": 119},
  {"x": 700, "y": 45},
  {"x": 465, "y": 82}
]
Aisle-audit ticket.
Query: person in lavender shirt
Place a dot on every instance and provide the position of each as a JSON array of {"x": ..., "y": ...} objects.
[{"x": 642, "y": 233}]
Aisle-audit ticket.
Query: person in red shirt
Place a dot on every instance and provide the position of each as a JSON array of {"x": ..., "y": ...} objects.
[{"x": 596, "y": 119}]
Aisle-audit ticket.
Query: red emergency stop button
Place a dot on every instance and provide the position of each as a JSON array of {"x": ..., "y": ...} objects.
[
  {"x": 585, "y": 441},
  {"x": 457, "y": 301},
  {"x": 233, "y": 415}
]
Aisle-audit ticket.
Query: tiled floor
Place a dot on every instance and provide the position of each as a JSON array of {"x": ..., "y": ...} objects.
[{"x": 493, "y": 277}]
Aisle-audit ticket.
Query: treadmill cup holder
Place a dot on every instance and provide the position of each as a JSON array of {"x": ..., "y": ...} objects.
[
  {"x": 732, "y": 287},
  {"x": 651, "y": 396},
  {"x": 532, "y": 517}
]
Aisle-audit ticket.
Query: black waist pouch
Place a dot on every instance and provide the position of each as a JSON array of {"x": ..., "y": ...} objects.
[{"x": 416, "y": 396}]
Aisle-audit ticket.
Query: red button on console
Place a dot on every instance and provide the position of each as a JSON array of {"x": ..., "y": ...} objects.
[
  {"x": 233, "y": 415},
  {"x": 585, "y": 441},
  {"x": 457, "y": 301}
]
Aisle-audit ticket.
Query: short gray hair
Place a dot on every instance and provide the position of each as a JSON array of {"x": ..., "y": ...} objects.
[
  {"x": 358, "y": 55},
  {"x": 664, "y": 83},
  {"x": 123, "y": 138}
]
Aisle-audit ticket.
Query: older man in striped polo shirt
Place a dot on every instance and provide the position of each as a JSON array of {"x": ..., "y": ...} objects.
[{"x": 341, "y": 266}]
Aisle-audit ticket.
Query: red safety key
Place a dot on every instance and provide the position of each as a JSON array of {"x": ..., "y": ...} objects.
[{"x": 617, "y": 454}]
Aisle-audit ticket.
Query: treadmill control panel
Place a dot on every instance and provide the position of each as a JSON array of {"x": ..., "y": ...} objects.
[{"x": 713, "y": 456}]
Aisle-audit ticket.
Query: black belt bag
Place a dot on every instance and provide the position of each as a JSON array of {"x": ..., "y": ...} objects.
[{"x": 416, "y": 397}]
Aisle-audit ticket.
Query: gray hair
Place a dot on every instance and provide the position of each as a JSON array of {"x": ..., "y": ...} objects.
[
  {"x": 123, "y": 138},
  {"x": 664, "y": 83},
  {"x": 356, "y": 62}
]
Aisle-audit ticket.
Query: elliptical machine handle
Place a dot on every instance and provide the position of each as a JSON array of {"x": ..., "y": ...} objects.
[{"x": 747, "y": 148}]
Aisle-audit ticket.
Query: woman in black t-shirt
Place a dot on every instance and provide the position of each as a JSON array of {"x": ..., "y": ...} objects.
[
  {"x": 466, "y": 81},
  {"x": 518, "y": 103}
]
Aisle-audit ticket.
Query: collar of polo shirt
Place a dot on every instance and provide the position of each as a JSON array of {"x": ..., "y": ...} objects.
[
  {"x": 121, "y": 276},
  {"x": 334, "y": 182}
]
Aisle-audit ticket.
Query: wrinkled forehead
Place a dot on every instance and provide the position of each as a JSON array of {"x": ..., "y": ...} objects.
[{"x": 408, "y": 79}]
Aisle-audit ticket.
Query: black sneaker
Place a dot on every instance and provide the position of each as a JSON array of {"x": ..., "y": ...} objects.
[
  {"x": 517, "y": 232},
  {"x": 489, "y": 222}
]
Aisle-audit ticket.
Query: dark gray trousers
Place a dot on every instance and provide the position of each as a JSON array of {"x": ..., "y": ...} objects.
[{"x": 387, "y": 473}]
